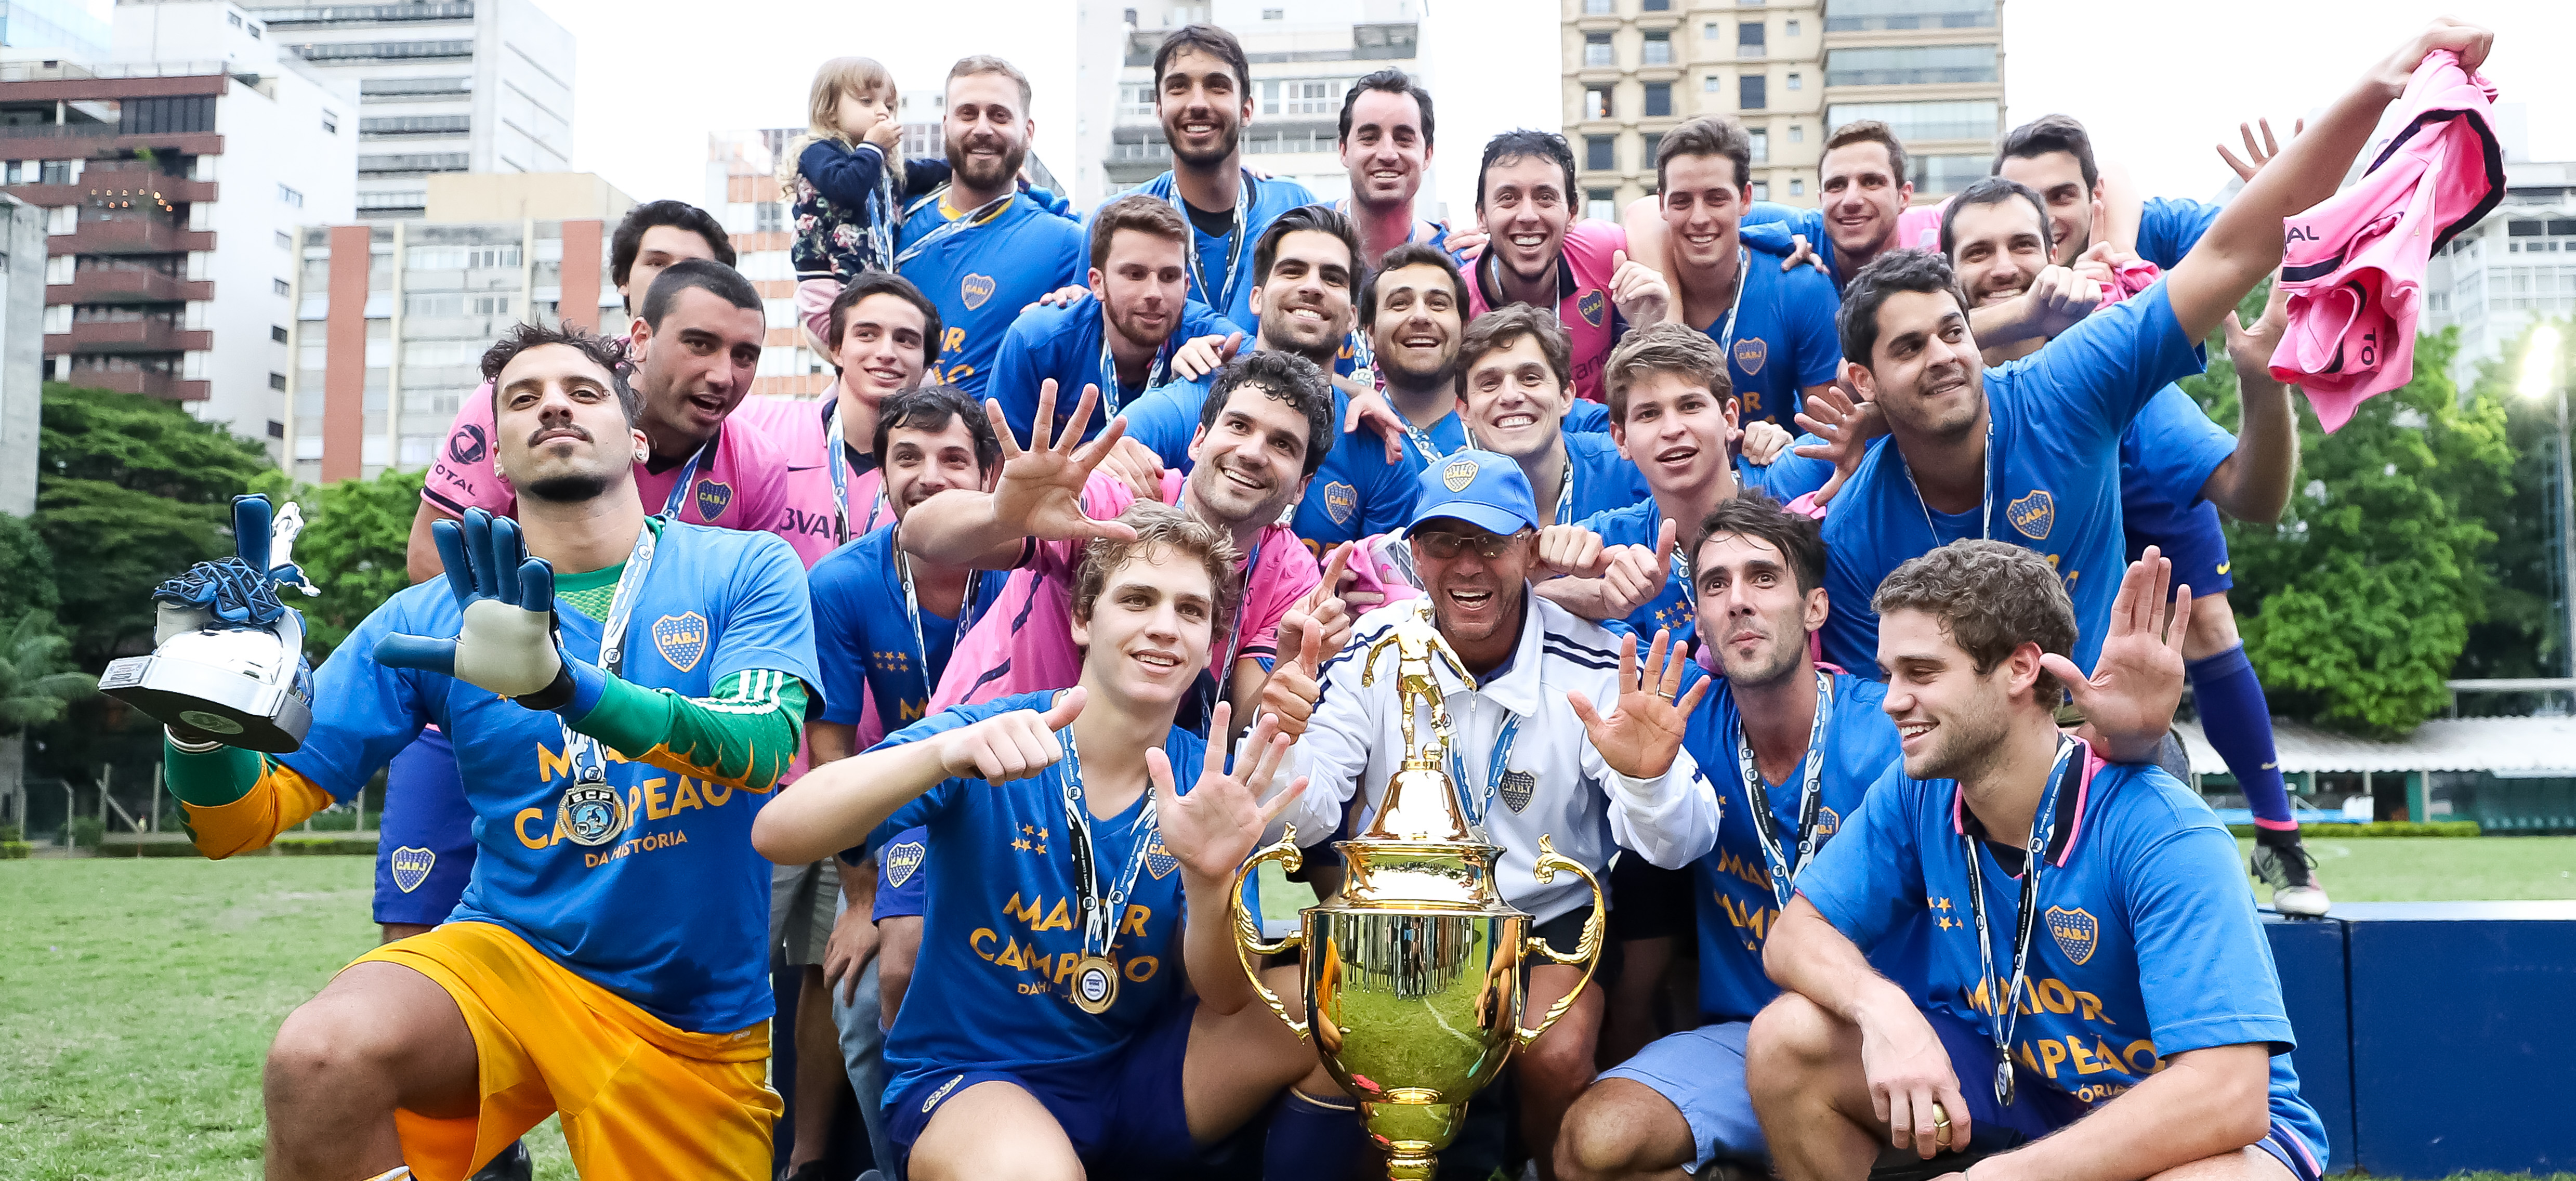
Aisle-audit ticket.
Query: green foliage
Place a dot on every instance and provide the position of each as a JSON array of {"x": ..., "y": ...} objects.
[
  {"x": 37, "y": 682},
  {"x": 2523, "y": 634},
  {"x": 130, "y": 491},
  {"x": 353, "y": 546},
  {"x": 26, "y": 570},
  {"x": 87, "y": 832},
  {"x": 2357, "y": 605},
  {"x": 2378, "y": 828}
]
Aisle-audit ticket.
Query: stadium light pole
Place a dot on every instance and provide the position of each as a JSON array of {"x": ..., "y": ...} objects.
[{"x": 2542, "y": 377}]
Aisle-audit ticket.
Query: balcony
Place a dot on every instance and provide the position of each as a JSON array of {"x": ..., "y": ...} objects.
[
  {"x": 127, "y": 285},
  {"x": 137, "y": 381},
  {"x": 154, "y": 335},
  {"x": 137, "y": 235}
]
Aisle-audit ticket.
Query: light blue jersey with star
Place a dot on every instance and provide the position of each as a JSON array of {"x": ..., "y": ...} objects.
[
  {"x": 671, "y": 914},
  {"x": 2054, "y": 471},
  {"x": 2146, "y": 946},
  {"x": 980, "y": 277},
  {"x": 1001, "y": 934}
]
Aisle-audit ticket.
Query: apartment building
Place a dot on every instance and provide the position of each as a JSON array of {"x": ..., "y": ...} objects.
[
  {"x": 1790, "y": 72},
  {"x": 445, "y": 86},
  {"x": 63, "y": 26},
  {"x": 2515, "y": 266},
  {"x": 22, "y": 353},
  {"x": 1304, "y": 55},
  {"x": 172, "y": 188}
]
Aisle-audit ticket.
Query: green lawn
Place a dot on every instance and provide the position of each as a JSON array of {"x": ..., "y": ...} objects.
[{"x": 138, "y": 995}]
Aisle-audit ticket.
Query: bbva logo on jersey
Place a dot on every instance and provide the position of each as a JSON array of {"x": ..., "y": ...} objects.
[
  {"x": 2074, "y": 930},
  {"x": 2034, "y": 514},
  {"x": 681, "y": 639}
]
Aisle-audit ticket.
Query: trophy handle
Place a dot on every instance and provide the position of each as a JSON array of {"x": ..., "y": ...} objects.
[
  {"x": 1588, "y": 953},
  {"x": 1247, "y": 926}
]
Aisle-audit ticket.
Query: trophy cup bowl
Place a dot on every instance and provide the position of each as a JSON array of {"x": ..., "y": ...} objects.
[{"x": 1414, "y": 969}]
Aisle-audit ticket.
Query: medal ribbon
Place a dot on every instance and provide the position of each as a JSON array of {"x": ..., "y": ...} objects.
[
  {"x": 1766, "y": 825},
  {"x": 1986, "y": 515},
  {"x": 679, "y": 497},
  {"x": 1496, "y": 766},
  {"x": 1113, "y": 394},
  {"x": 912, "y": 608},
  {"x": 949, "y": 229},
  {"x": 1099, "y": 915},
  {"x": 589, "y": 766},
  {"x": 2043, "y": 826},
  {"x": 1234, "y": 249}
]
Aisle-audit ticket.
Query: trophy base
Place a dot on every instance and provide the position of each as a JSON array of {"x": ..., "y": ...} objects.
[{"x": 230, "y": 707}]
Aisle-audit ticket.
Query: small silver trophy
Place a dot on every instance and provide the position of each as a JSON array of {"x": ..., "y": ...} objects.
[{"x": 228, "y": 657}]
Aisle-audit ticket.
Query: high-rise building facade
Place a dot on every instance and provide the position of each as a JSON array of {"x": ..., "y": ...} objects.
[
  {"x": 172, "y": 189},
  {"x": 443, "y": 85},
  {"x": 2515, "y": 266},
  {"x": 1790, "y": 72},
  {"x": 62, "y": 25},
  {"x": 22, "y": 353},
  {"x": 1304, "y": 55}
]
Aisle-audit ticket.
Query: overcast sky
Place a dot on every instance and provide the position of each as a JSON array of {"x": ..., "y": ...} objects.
[{"x": 655, "y": 76}]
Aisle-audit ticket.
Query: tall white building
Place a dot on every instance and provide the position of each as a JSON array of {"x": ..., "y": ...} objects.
[
  {"x": 65, "y": 26},
  {"x": 1304, "y": 56},
  {"x": 173, "y": 179},
  {"x": 444, "y": 86},
  {"x": 2517, "y": 265}
]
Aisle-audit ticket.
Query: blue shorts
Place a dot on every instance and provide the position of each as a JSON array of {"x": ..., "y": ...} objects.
[
  {"x": 2189, "y": 535},
  {"x": 1124, "y": 1116},
  {"x": 2039, "y": 1108},
  {"x": 1701, "y": 1073},
  {"x": 425, "y": 842}
]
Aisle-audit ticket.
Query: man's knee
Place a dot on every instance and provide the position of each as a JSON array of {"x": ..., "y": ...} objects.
[
  {"x": 1560, "y": 1061},
  {"x": 330, "y": 1043},
  {"x": 1791, "y": 1034},
  {"x": 1619, "y": 1128}
]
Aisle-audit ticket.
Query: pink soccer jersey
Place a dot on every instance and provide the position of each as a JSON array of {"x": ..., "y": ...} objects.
[
  {"x": 741, "y": 484},
  {"x": 1024, "y": 641},
  {"x": 807, "y": 513},
  {"x": 1583, "y": 297}
]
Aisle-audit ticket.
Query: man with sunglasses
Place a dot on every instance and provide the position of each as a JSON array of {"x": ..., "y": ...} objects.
[{"x": 1531, "y": 755}]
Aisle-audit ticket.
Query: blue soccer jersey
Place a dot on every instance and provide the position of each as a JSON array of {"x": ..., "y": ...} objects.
[
  {"x": 1779, "y": 340},
  {"x": 2147, "y": 945},
  {"x": 671, "y": 917},
  {"x": 1355, "y": 493},
  {"x": 2052, "y": 459},
  {"x": 1223, "y": 277},
  {"x": 863, "y": 633},
  {"x": 901, "y": 877},
  {"x": 979, "y": 275},
  {"x": 2169, "y": 227},
  {"x": 1000, "y": 932},
  {"x": 1736, "y": 905},
  {"x": 1063, "y": 343}
]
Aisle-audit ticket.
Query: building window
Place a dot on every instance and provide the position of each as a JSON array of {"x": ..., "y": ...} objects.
[
  {"x": 1655, "y": 5},
  {"x": 1597, "y": 51},
  {"x": 1797, "y": 188},
  {"x": 1601, "y": 204},
  {"x": 55, "y": 172},
  {"x": 1711, "y": 84},
  {"x": 1938, "y": 175},
  {"x": 1596, "y": 7},
  {"x": 1600, "y": 153},
  {"x": 1748, "y": 39},
  {"x": 1761, "y": 146},
  {"x": 277, "y": 381},
  {"x": 289, "y": 196},
  {"x": 1708, "y": 31},
  {"x": 233, "y": 19},
  {"x": 1752, "y": 92},
  {"x": 254, "y": 30},
  {"x": 1797, "y": 81},
  {"x": 1654, "y": 147},
  {"x": 174, "y": 115},
  {"x": 769, "y": 217},
  {"x": 1797, "y": 133},
  {"x": 1790, "y": 30},
  {"x": 1966, "y": 119},
  {"x": 281, "y": 286},
  {"x": 1597, "y": 103},
  {"x": 277, "y": 332},
  {"x": 1272, "y": 14},
  {"x": 285, "y": 241},
  {"x": 1851, "y": 16},
  {"x": 1910, "y": 65},
  {"x": 1304, "y": 96},
  {"x": 355, "y": 51},
  {"x": 1136, "y": 98},
  {"x": 1659, "y": 99},
  {"x": 1657, "y": 49},
  {"x": 330, "y": 123}
]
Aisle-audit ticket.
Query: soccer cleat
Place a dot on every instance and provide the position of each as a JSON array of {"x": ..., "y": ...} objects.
[
  {"x": 513, "y": 1164},
  {"x": 2289, "y": 869}
]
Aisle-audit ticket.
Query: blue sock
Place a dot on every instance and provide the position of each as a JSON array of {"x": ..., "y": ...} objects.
[
  {"x": 1313, "y": 1137},
  {"x": 2238, "y": 723}
]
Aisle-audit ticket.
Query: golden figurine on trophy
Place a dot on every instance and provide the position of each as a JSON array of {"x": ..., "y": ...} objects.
[{"x": 1413, "y": 970}]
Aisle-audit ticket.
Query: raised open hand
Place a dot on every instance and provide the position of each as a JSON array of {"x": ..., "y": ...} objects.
[
  {"x": 1644, "y": 727},
  {"x": 2129, "y": 700},
  {"x": 2257, "y": 155},
  {"x": 1213, "y": 828},
  {"x": 1040, "y": 490},
  {"x": 507, "y": 642}
]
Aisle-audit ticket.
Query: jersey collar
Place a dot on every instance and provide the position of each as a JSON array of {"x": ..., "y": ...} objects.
[
  {"x": 1515, "y": 686},
  {"x": 1487, "y": 286},
  {"x": 2070, "y": 811}
]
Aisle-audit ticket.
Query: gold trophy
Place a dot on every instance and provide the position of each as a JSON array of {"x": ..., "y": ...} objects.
[{"x": 1413, "y": 970}]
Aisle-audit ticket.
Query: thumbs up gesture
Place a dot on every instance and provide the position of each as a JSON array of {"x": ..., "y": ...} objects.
[
  {"x": 1014, "y": 745},
  {"x": 1290, "y": 693},
  {"x": 1637, "y": 573},
  {"x": 1638, "y": 291}
]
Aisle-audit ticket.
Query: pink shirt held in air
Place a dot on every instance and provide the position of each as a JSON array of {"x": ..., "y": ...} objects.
[
  {"x": 810, "y": 510},
  {"x": 739, "y": 482},
  {"x": 1582, "y": 297},
  {"x": 2354, "y": 265},
  {"x": 1024, "y": 642}
]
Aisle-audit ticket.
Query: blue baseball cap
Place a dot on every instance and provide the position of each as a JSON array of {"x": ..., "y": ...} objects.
[{"x": 1479, "y": 487}]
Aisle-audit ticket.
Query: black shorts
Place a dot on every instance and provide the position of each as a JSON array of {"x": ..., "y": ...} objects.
[{"x": 1648, "y": 901}]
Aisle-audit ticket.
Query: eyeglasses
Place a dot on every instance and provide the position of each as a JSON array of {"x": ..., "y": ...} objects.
[{"x": 1445, "y": 546}]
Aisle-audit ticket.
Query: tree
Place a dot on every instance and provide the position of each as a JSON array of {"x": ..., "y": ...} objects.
[
  {"x": 37, "y": 680},
  {"x": 353, "y": 548},
  {"x": 2522, "y": 634},
  {"x": 129, "y": 492},
  {"x": 2361, "y": 598},
  {"x": 26, "y": 570}
]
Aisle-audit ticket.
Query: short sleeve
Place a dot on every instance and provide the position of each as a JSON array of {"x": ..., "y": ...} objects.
[
  {"x": 464, "y": 475},
  {"x": 841, "y": 634},
  {"x": 1791, "y": 475},
  {"x": 2169, "y": 227},
  {"x": 1164, "y": 418},
  {"x": 2197, "y": 941},
  {"x": 2110, "y": 364},
  {"x": 1588, "y": 418},
  {"x": 2174, "y": 444},
  {"x": 1019, "y": 369},
  {"x": 375, "y": 710},
  {"x": 768, "y": 617},
  {"x": 902, "y": 887},
  {"x": 1868, "y": 880}
]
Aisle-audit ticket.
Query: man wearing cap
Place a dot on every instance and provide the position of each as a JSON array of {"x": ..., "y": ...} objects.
[{"x": 1531, "y": 753}]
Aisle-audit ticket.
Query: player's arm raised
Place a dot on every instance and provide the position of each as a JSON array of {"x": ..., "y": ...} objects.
[
  {"x": 836, "y": 806},
  {"x": 2253, "y": 482},
  {"x": 1660, "y": 805},
  {"x": 1210, "y": 831},
  {"x": 1038, "y": 495}
]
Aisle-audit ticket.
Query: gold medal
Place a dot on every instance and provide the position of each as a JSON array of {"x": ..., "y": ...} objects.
[{"x": 1095, "y": 983}]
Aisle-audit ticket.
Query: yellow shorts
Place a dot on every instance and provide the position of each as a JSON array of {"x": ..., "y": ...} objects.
[{"x": 638, "y": 1098}]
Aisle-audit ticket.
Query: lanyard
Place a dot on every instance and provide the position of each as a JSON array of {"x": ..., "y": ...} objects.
[
  {"x": 1766, "y": 826},
  {"x": 679, "y": 497},
  {"x": 2006, "y": 1003},
  {"x": 912, "y": 607},
  {"x": 1099, "y": 914},
  {"x": 1496, "y": 766},
  {"x": 1743, "y": 271},
  {"x": 1986, "y": 515},
  {"x": 582, "y": 750},
  {"x": 1113, "y": 394},
  {"x": 949, "y": 229},
  {"x": 1234, "y": 248},
  {"x": 1565, "y": 490},
  {"x": 1430, "y": 451},
  {"x": 839, "y": 464}
]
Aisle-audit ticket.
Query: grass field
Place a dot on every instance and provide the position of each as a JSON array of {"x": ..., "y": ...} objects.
[{"x": 137, "y": 996}]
